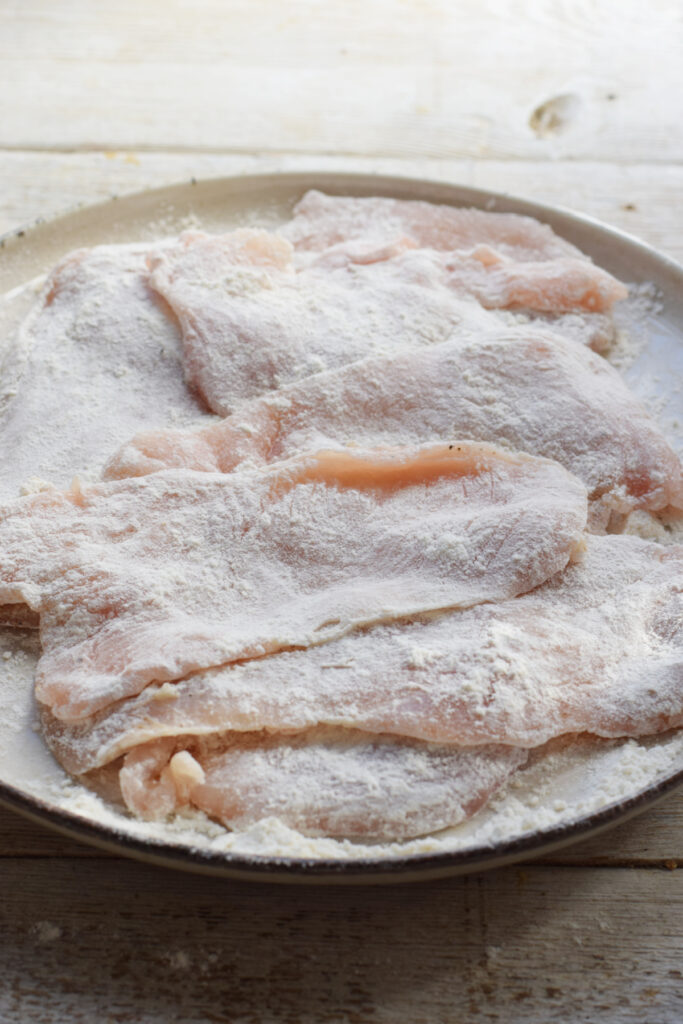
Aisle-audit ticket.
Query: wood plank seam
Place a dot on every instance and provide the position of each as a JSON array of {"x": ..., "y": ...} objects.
[{"x": 264, "y": 152}]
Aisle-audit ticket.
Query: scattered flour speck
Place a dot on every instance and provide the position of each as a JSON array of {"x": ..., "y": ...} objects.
[{"x": 46, "y": 931}]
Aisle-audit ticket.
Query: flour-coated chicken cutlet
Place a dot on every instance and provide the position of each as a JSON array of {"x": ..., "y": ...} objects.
[
  {"x": 527, "y": 389},
  {"x": 97, "y": 359},
  {"x": 154, "y": 577},
  {"x": 341, "y": 606},
  {"x": 253, "y": 322},
  {"x": 596, "y": 649},
  {"x": 327, "y": 782},
  {"x": 321, "y": 222},
  {"x": 502, "y": 259},
  {"x": 256, "y": 316}
]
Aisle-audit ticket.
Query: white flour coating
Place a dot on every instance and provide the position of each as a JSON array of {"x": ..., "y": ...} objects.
[
  {"x": 326, "y": 782},
  {"x": 20, "y": 652},
  {"x": 503, "y": 260},
  {"x": 632, "y": 322},
  {"x": 663, "y": 529},
  {"x": 152, "y": 578},
  {"x": 253, "y": 320},
  {"x": 594, "y": 330},
  {"x": 97, "y": 357},
  {"x": 258, "y": 312},
  {"x": 322, "y": 221},
  {"x": 524, "y": 388},
  {"x": 597, "y": 649},
  {"x": 579, "y": 779},
  {"x": 574, "y": 782},
  {"x": 564, "y": 786}
]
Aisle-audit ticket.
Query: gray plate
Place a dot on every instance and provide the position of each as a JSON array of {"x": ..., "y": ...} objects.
[{"x": 28, "y": 777}]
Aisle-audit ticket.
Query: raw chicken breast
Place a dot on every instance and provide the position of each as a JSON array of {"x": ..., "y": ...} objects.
[
  {"x": 502, "y": 259},
  {"x": 597, "y": 649},
  {"x": 252, "y": 322},
  {"x": 321, "y": 221},
  {"x": 326, "y": 782},
  {"x": 528, "y": 389},
  {"x": 153, "y": 578},
  {"x": 97, "y": 359}
]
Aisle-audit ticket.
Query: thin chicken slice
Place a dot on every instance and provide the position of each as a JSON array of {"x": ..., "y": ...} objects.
[
  {"x": 597, "y": 649},
  {"x": 323, "y": 783},
  {"x": 321, "y": 222},
  {"x": 252, "y": 322},
  {"x": 152, "y": 578},
  {"x": 98, "y": 358},
  {"x": 527, "y": 389},
  {"x": 504, "y": 260}
]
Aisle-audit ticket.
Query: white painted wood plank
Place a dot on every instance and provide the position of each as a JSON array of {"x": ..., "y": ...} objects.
[
  {"x": 533, "y": 79},
  {"x": 113, "y": 941},
  {"x": 643, "y": 198}
]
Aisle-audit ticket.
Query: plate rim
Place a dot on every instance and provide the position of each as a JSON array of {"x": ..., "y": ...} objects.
[
  {"x": 503, "y": 202},
  {"x": 302, "y": 870},
  {"x": 316, "y": 871}
]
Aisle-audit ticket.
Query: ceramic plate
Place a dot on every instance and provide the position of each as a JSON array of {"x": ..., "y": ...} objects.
[{"x": 638, "y": 773}]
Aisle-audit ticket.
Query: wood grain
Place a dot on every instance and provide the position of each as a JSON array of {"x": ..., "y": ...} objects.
[
  {"x": 576, "y": 104},
  {"x": 534, "y": 945},
  {"x": 642, "y": 199},
  {"x": 517, "y": 79}
]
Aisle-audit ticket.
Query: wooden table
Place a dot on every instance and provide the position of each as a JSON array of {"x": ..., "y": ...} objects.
[{"x": 575, "y": 104}]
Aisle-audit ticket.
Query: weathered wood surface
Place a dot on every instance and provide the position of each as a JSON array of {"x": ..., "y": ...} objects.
[
  {"x": 577, "y": 104},
  {"x": 640, "y": 198},
  {"x": 87, "y": 941},
  {"x": 511, "y": 79}
]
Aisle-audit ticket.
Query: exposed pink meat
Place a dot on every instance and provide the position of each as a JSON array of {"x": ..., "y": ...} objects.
[
  {"x": 155, "y": 577},
  {"x": 503, "y": 259},
  {"x": 597, "y": 649},
  {"x": 552, "y": 286},
  {"x": 252, "y": 321},
  {"x": 147, "y": 786},
  {"x": 327, "y": 782},
  {"x": 528, "y": 389}
]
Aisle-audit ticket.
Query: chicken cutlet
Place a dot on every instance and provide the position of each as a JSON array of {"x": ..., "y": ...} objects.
[
  {"x": 596, "y": 649},
  {"x": 327, "y": 782},
  {"x": 527, "y": 389},
  {"x": 155, "y": 577}
]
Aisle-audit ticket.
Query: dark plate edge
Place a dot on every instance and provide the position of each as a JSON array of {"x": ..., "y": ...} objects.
[{"x": 417, "y": 867}]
